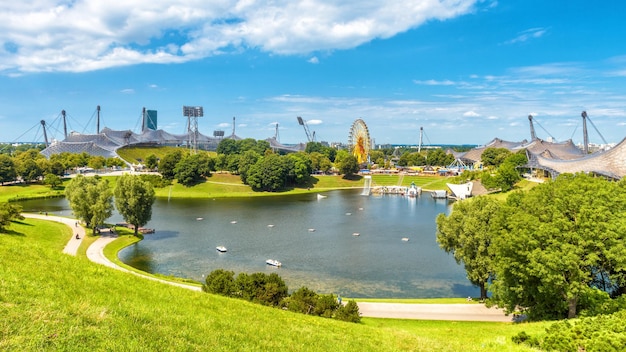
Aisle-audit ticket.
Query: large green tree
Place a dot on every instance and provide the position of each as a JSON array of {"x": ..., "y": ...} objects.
[
  {"x": 8, "y": 172},
  {"x": 467, "y": 233},
  {"x": 348, "y": 166},
  {"x": 167, "y": 164},
  {"x": 134, "y": 199},
  {"x": 558, "y": 240},
  {"x": 269, "y": 173},
  {"x": 91, "y": 199},
  {"x": 494, "y": 156}
]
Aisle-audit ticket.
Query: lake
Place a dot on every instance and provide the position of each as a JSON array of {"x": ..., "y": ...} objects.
[{"x": 345, "y": 244}]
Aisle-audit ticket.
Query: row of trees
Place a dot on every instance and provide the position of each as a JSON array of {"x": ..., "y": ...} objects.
[
  {"x": 30, "y": 165},
  {"x": 271, "y": 290},
  {"x": 91, "y": 200},
  {"x": 266, "y": 171},
  {"x": 551, "y": 252}
]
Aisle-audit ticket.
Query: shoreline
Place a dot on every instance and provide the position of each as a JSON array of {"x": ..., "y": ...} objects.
[{"x": 392, "y": 310}]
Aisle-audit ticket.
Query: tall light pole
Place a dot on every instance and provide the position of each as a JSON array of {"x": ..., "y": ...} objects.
[{"x": 192, "y": 113}]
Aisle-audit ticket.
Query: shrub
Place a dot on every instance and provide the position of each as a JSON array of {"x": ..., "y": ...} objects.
[{"x": 349, "y": 312}]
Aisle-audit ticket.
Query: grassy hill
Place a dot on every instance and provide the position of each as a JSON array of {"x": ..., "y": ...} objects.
[{"x": 52, "y": 301}]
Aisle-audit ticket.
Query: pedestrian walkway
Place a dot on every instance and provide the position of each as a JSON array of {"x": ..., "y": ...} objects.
[{"x": 72, "y": 245}]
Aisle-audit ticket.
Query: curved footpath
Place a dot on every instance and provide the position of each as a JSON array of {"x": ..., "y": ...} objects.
[{"x": 456, "y": 312}]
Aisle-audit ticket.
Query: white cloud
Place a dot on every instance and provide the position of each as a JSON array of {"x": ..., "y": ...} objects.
[
  {"x": 432, "y": 82},
  {"x": 314, "y": 122},
  {"x": 86, "y": 35},
  {"x": 224, "y": 125},
  {"x": 471, "y": 114},
  {"x": 128, "y": 91},
  {"x": 314, "y": 60},
  {"x": 528, "y": 34}
]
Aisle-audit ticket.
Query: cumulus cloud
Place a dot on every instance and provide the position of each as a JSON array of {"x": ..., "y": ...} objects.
[
  {"x": 471, "y": 114},
  {"x": 314, "y": 60},
  {"x": 87, "y": 35},
  {"x": 314, "y": 122}
]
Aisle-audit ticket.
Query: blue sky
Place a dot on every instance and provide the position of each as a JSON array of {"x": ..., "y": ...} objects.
[{"x": 466, "y": 71}]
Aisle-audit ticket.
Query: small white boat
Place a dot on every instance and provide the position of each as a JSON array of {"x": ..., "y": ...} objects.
[
  {"x": 319, "y": 196},
  {"x": 348, "y": 214},
  {"x": 270, "y": 225},
  {"x": 199, "y": 219},
  {"x": 221, "y": 249},
  {"x": 405, "y": 239},
  {"x": 355, "y": 234},
  {"x": 311, "y": 230},
  {"x": 233, "y": 222},
  {"x": 273, "y": 262}
]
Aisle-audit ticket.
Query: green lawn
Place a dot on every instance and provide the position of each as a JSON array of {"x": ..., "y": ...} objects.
[
  {"x": 14, "y": 192},
  {"x": 53, "y": 301}
]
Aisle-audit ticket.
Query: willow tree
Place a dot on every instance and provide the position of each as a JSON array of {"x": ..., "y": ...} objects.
[
  {"x": 134, "y": 199},
  {"x": 91, "y": 200},
  {"x": 467, "y": 233}
]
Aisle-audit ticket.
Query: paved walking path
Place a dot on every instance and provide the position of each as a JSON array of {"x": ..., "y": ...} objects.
[
  {"x": 72, "y": 245},
  {"x": 455, "y": 312}
]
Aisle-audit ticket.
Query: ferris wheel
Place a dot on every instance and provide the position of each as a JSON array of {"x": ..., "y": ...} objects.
[{"x": 359, "y": 141}]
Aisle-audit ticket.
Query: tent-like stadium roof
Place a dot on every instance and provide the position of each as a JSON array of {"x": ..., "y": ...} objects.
[
  {"x": 107, "y": 142},
  {"x": 610, "y": 163}
]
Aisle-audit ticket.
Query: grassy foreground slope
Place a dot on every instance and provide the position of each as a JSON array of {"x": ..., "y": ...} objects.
[{"x": 52, "y": 301}]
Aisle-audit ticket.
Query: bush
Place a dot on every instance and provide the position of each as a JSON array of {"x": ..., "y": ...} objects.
[
  {"x": 349, "y": 312},
  {"x": 220, "y": 282},
  {"x": 156, "y": 181}
]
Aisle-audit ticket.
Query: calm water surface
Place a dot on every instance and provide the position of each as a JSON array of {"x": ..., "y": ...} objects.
[{"x": 313, "y": 238}]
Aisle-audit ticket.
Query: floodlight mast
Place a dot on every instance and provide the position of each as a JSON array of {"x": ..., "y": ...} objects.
[
  {"x": 192, "y": 113},
  {"x": 302, "y": 123}
]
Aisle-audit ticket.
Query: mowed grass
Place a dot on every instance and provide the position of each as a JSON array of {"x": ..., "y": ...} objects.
[
  {"x": 226, "y": 185},
  {"x": 53, "y": 301},
  {"x": 18, "y": 191}
]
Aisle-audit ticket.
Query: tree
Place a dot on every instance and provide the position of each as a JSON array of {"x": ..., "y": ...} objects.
[
  {"x": 558, "y": 240},
  {"x": 220, "y": 282},
  {"x": 228, "y": 146},
  {"x": 9, "y": 212},
  {"x": 320, "y": 162},
  {"x": 134, "y": 199},
  {"x": 349, "y": 312},
  {"x": 91, "y": 199},
  {"x": 247, "y": 159},
  {"x": 192, "y": 169},
  {"x": 7, "y": 169},
  {"x": 168, "y": 163},
  {"x": 269, "y": 173},
  {"x": 349, "y": 166},
  {"x": 301, "y": 170},
  {"x": 467, "y": 233},
  {"x": 494, "y": 156},
  {"x": 29, "y": 170},
  {"x": 151, "y": 162},
  {"x": 52, "y": 180}
]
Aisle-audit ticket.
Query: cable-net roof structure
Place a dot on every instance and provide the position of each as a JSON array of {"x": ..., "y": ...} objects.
[
  {"x": 108, "y": 141},
  {"x": 558, "y": 158}
]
